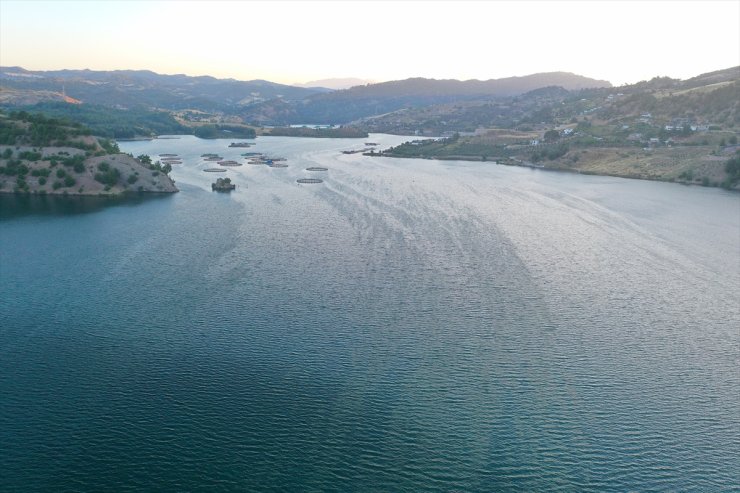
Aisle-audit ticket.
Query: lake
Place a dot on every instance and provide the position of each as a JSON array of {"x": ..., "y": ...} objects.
[{"x": 406, "y": 325}]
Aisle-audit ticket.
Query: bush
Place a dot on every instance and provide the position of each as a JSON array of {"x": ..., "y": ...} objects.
[
  {"x": 108, "y": 177},
  {"x": 69, "y": 181},
  {"x": 57, "y": 185},
  {"x": 61, "y": 173},
  {"x": 132, "y": 179},
  {"x": 42, "y": 181}
]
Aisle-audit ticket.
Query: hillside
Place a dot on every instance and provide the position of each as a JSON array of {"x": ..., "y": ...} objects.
[
  {"x": 707, "y": 98},
  {"x": 375, "y": 99},
  {"x": 130, "y": 88},
  {"x": 662, "y": 129},
  {"x": 42, "y": 155}
]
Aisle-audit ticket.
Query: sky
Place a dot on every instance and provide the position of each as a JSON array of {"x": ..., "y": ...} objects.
[{"x": 299, "y": 41}]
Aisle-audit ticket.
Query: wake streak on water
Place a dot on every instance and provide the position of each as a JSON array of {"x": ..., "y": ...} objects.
[{"x": 405, "y": 325}]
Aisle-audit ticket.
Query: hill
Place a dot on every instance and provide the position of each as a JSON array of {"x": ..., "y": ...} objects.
[
  {"x": 374, "y": 99},
  {"x": 709, "y": 98},
  {"x": 335, "y": 83},
  {"x": 44, "y": 155},
  {"x": 662, "y": 129},
  {"x": 130, "y": 88}
]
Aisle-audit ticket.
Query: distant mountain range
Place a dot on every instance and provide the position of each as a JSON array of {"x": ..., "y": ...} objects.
[
  {"x": 124, "y": 98},
  {"x": 258, "y": 101},
  {"x": 375, "y": 99},
  {"x": 335, "y": 83},
  {"x": 129, "y": 88}
]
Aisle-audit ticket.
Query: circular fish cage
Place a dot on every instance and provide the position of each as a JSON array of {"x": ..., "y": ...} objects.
[
  {"x": 214, "y": 170},
  {"x": 229, "y": 163},
  {"x": 317, "y": 168},
  {"x": 278, "y": 165},
  {"x": 309, "y": 180}
]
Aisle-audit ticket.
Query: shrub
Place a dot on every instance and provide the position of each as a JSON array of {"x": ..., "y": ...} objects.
[
  {"x": 61, "y": 173},
  {"x": 42, "y": 181},
  {"x": 69, "y": 181},
  {"x": 57, "y": 185}
]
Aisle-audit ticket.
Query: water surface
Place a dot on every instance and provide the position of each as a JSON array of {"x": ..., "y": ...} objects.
[{"x": 406, "y": 325}]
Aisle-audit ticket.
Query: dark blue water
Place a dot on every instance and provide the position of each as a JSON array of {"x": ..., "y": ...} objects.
[{"x": 406, "y": 325}]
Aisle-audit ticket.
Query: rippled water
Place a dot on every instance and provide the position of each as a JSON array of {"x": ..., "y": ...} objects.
[{"x": 406, "y": 325}]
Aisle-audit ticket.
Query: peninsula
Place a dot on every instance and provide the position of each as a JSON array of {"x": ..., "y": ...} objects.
[{"x": 42, "y": 155}]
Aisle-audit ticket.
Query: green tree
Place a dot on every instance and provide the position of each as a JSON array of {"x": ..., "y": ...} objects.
[{"x": 551, "y": 136}]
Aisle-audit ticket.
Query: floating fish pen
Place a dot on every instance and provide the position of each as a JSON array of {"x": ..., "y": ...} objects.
[
  {"x": 317, "y": 168},
  {"x": 168, "y": 155},
  {"x": 214, "y": 158},
  {"x": 257, "y": 162},
  {"x": 209, "y": 154},
  {"x": 241, "y": 144},
  {"x": 309, "y": 180},
  {"x": 172, "y": 161},
  {"x": 278, "y": 165},
  {"x": 214, "y": 170},
  {"x": 251, "y": 154},
  {"x": 229, "y": 163},
  {"x": 278, "y": 159}
]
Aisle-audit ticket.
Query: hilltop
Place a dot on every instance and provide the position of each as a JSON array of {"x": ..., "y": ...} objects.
[{"x": 44, "y": 155}]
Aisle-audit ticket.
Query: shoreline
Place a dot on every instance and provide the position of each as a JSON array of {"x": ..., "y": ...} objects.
[{"x": 523, "y": 164}]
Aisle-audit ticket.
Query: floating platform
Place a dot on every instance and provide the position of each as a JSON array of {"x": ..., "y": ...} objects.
[
  {"x": 241, "y": 144},
  {"x": 278, "y": 165},
  {"x": 168, "y": 155},
  {"x": 214, "y": 158},
  {"x": 223, "y": 185},
  {"x": 309, "y": 180},
  {"x": 249, "y": 154},
  {"x": 317, "y": 168},
  {"x": 214, "y": 170},
  {"x": 229, "y": 163},
  {"x": 209, "y": 154}
]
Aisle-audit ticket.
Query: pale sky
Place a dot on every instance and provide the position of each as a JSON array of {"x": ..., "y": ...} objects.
[{"x": 298, "y": 41}]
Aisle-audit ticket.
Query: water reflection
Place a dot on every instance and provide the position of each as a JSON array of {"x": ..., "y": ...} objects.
[{"x": 14, "y": 206}]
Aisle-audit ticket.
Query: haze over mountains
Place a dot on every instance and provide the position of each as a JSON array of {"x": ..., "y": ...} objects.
[
  {"x": 258, "y": 101},
  {"x": 335, "y": 83},
  {"x": 128, "y": 103}
]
